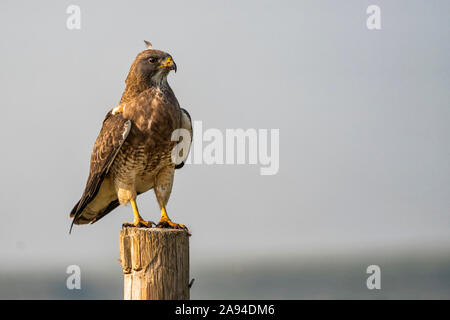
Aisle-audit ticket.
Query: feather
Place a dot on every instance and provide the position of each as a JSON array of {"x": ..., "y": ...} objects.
[{"x": 114, "y": 132}]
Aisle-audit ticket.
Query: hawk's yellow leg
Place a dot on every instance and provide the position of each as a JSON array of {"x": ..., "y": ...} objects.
[
  {"x": 138, "y": 220},
  {"x": 166, "y": 222}
]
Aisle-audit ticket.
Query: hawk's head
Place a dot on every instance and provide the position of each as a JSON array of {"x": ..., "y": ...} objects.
[{"x": 153, "y": 65}]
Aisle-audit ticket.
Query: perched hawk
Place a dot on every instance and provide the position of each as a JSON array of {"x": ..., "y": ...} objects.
[{"x": 133, "y": 152}]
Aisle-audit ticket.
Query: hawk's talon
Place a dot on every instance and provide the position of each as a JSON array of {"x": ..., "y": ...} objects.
[
  {"x": 139, "y": 224},
  {"x": 165, "y": 221},
  {"x": 171, "y": 225}
]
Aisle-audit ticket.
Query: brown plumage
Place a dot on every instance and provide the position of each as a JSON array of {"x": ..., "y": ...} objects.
[{"x": 132, "y": 153}]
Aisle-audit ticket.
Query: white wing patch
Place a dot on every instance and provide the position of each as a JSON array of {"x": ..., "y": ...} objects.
[
  {"x": 126, "y": 131},
  {"x": 186, "y": 125},
  {"x": 119, "y": 109}
]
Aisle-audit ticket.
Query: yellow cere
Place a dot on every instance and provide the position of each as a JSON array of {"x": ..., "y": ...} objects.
[{"x": 167, "y": 63}]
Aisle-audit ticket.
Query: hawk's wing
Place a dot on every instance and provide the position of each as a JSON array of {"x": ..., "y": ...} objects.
[
  {"x": 114, "y": 131},
  {"x": 186, "y": 123}
]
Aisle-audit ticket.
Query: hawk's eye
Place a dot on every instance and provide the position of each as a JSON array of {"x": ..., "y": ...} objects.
[{"x": 152, "y": 60}]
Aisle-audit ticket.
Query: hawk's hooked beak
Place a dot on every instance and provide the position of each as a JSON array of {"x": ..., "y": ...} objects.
[{"x": 169, "y": 64}]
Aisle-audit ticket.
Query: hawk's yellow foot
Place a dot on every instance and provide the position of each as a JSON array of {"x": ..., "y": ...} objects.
[
  {"x": 138, "y": 221},
  {"x": 165, "y": 221},
  {"x": 139, "y": 224}
]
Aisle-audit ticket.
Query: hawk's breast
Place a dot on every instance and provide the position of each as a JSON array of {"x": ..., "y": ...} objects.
[{"x": 155, "y": 114}]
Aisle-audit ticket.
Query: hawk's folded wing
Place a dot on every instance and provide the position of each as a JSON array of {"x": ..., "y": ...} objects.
[
  {"x": 186, "y": 123},
  {"x": 114, "y": 131}
]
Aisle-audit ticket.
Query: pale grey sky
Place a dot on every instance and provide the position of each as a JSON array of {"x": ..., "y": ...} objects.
[{"x": 363, "y": 117}]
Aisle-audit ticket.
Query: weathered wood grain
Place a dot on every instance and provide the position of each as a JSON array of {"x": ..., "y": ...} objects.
[{"x": 155, "y": 263}]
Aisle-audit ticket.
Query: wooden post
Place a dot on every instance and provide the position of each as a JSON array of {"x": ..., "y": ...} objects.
[{"x": 155, "y": 263}]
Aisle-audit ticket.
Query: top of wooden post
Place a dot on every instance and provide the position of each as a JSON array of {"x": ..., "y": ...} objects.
[
  {"x": 155, "y": 263},
  {"x": 154, "y": 229},
  {"x": 140, "y": 246}
]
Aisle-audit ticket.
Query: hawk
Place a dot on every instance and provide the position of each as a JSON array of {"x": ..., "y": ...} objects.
[{"x": 133, "y": 151}]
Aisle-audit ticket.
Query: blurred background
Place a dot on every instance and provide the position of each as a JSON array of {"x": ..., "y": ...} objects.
[{"x": 363, "y": 114}]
